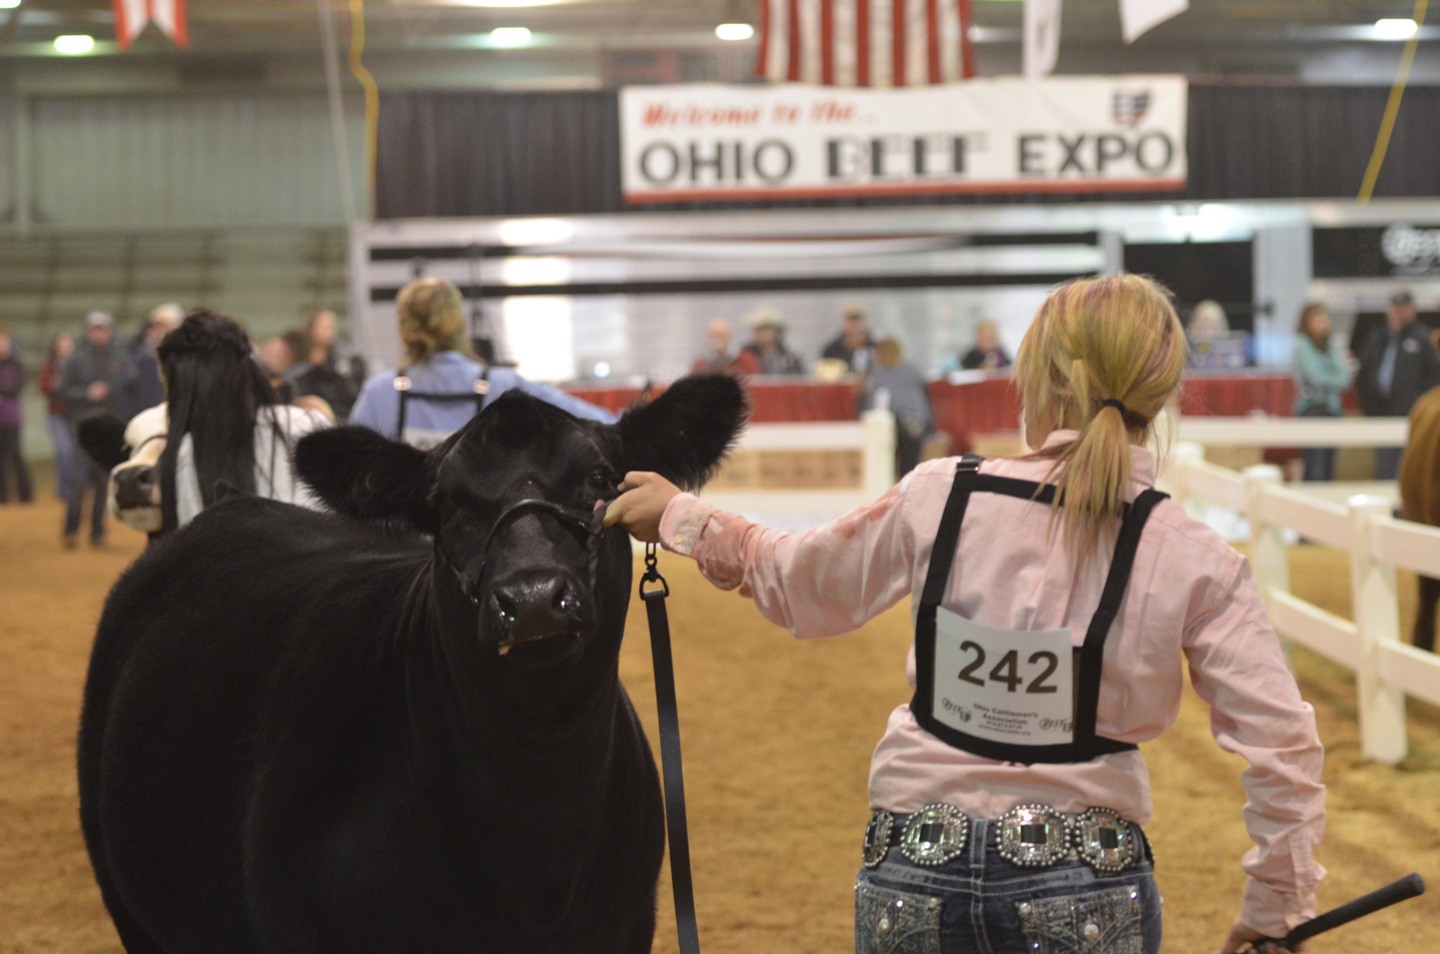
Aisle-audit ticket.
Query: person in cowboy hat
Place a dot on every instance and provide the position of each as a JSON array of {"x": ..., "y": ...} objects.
[{"x": 768, "y": 343}]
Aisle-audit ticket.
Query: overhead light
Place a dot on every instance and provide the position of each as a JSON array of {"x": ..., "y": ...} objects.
[
  {"x": 535, "y": 270},
  {"x": 9, "y": 4},
  {"x": 536, "y": 231},
  {"x": 509, "y": 36},
  {"x": 540, "y": 332},
  {"x": 74, "y": 44},
  {"x": 1395, "y": 29},
  {"x": 734, "y": 31}
]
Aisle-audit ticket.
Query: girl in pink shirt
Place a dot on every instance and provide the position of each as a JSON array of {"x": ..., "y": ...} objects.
[{"x": 1057, "y": 598}]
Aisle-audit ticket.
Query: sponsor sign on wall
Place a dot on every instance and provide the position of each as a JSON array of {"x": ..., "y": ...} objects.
[
  {"x": 1401, "y": 250},
  {"x": 717, "y": 142}
]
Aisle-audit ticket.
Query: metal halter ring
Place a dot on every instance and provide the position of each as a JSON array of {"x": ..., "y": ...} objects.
[
  {"x": 935, "y": 834},
  {"x": 877, "y": 838},
  {"x": 1105, "y": 841},
  {"x": 1033, "y": 836}
]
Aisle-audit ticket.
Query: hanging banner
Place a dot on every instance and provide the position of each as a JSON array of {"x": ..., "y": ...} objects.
[{"x": 715, "y": 142}]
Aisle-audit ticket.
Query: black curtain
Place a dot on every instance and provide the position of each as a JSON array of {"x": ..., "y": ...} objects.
[
  {"x": 494, "y": 153},
  {"x": 1309, "y": 142},
  {"x": 490, "y": 153}
]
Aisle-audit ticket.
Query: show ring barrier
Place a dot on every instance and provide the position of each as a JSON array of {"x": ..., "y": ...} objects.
[
  {"x": 1386, "y": 669},
  {"x": 1264, "y": 431},
  {"x": 817, "y": 467}
]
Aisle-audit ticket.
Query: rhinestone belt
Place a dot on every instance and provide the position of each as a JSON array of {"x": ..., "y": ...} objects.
[{"x": 1031, "y": 836}]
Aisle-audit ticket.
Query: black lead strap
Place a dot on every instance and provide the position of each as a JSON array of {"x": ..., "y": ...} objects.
[{"x": 669, "y": 712}]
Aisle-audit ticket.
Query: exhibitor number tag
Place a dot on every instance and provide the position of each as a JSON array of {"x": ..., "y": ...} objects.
[{"x": 1003, "y": 685}]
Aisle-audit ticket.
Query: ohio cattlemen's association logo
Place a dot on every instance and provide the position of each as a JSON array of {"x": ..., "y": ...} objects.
[
  {"x": 1411, "y": 250},
  {"x": 1128, "y": 107}
]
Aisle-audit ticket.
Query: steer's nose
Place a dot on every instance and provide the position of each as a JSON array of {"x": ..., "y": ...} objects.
[
  {"x": 534, "y": 605},
  {"x": 135, "y": 487}
]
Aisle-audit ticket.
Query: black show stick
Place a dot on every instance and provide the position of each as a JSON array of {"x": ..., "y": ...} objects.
[{"x": 1410, "y": 886}]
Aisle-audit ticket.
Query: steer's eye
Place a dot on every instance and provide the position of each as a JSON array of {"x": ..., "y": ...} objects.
[{"x": 600, "y": 480}]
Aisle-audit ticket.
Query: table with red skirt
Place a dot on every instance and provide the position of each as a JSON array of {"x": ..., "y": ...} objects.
[{"x": 987, "y": 406}]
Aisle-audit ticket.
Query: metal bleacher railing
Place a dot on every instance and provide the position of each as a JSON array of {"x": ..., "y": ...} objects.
[{"x": 1386, "y": 669}]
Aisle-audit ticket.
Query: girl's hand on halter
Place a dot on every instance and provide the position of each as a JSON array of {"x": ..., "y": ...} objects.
[{"x": 642, "y": 502}]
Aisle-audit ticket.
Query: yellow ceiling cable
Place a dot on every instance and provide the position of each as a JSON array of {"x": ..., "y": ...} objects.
[
  {"x": 372, "y": 99},
  {"x": 1392, "y": 107}
]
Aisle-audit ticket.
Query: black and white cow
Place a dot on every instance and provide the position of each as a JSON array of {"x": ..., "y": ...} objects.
[{"x": 305, "y": 732}]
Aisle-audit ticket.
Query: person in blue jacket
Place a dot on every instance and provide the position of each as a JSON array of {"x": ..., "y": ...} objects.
[
  {"x": 1321, "y": 373},
  {"x": 439, "y": 387}
]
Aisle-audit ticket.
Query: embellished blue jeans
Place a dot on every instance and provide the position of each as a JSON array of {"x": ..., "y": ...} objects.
[{"x": 979, "y": 903}]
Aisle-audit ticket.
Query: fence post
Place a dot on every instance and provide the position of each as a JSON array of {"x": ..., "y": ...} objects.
[
  {"x": 878, "y": 457},
  {"x": 1269, "y": 554},
  {"x": 1185, "y": 454},
  {"x": 1377, "y": 619}
]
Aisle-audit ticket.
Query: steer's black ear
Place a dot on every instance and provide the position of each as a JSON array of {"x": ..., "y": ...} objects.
[
  {"x": 358, "y": 473},
  {"x": 685, "y": 433},
  {"x": 102, "y": 437}
]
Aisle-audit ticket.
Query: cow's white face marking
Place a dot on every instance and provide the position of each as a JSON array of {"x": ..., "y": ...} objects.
[{"x": 140, "y": 470}]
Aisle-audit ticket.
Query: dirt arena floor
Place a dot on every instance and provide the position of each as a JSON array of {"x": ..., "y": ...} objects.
[{"x": 777, "y": 739}]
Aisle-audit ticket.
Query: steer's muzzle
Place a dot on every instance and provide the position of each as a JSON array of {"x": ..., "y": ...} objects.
[
  {"x": 137, "y": 486},
  {"x": 540, "y": 616}
]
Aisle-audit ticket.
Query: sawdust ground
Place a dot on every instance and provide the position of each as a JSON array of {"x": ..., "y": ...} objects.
[{"x": 777, "y": 737}]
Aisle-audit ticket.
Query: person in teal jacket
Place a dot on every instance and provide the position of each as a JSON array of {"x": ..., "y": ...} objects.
[{"x": 1322, "y": 371}]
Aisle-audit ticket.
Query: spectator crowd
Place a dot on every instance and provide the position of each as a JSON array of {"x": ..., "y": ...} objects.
[
  {"x": 442, "y": 381},
  {"x": 99, "y": 374}
]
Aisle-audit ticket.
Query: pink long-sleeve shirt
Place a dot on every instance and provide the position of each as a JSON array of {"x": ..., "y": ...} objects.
[{"x": 1191, "y": 599}]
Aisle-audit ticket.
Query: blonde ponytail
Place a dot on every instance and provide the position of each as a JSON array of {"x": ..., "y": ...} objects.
[
  {"x": 432, "y": 316},
  {"x": 1103, "y": 357}
]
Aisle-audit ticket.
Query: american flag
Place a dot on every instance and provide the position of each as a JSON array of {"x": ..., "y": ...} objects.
[
  {"x": 132, "y": 15},
  {"x": 865, "y": 42}
]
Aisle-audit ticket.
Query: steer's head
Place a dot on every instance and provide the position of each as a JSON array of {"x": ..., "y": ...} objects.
[{"x": 511, "y": 501}]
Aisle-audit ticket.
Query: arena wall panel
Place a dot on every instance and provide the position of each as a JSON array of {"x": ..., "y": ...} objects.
[
  {"x": 8, "y": 159},
  {"x": 190, "y": 161}
]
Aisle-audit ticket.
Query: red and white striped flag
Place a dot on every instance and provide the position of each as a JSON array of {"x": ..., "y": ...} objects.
[
  {"x": 865, "y": 42},
  {"x": 132, "y": 15}
]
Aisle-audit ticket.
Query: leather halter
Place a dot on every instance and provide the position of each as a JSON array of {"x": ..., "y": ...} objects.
[{"x": 589, "y": 524}]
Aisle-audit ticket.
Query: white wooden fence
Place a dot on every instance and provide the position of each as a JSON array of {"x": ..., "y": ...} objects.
[
  {"x": 1295, "y": 431},
  {"x": 1386, "y": 669},
  {"x": 873, "y": 436}
]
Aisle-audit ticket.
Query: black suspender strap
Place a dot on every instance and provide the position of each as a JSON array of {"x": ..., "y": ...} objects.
[
  {"x": 1086, "y": 745},
  {"x": 477, "y": 394},
  {"x": 942, "y": 557},
  {"x": 947, "y": 538},
  {"x": 1092, "y": 652},
  {"x": 404, "y": 399},
  {"x": 482, "y": 387}
]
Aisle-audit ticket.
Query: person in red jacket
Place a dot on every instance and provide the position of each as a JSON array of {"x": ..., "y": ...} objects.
[
  {"x": 68, "y": 457},
  {"x": 720, "y": 356},
  {"x": 12, "y": 379}
]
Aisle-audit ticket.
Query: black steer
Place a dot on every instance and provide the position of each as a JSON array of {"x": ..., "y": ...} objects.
[{"x": 309, "y": 733}]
